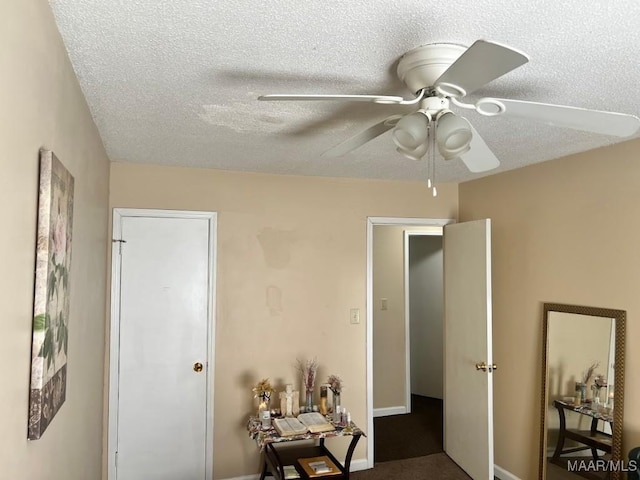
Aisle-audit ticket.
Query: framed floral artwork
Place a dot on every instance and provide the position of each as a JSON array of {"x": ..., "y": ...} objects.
[{"x": 51, "y": 294}]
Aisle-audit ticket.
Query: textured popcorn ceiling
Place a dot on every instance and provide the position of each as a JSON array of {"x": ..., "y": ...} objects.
[{"x": 174, "y": 82}]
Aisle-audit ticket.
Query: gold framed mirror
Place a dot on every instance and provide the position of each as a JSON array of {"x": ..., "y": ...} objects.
[{"x": 582, "y": 392}]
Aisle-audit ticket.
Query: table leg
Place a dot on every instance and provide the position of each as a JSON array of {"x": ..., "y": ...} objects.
[
  {"x": 594, "y": 430},
  {"x": 347, "y": 459},
  {"x": 264, "y": 471},
  {"x": 563, "y": 427}
]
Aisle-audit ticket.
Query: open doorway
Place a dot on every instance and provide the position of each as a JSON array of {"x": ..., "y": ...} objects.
[
  {"x": 406, "y": 329},
  {"x": 468, "y": 427},
  {"x": 407, "y": 289}
]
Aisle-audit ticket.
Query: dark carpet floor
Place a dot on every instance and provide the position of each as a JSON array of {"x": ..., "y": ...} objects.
[
  {"x": 433, "y": 467},
  {"x": 411, "y": 435}
]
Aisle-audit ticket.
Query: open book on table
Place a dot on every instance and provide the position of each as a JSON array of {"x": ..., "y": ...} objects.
[{"x": 313, "y": 422}]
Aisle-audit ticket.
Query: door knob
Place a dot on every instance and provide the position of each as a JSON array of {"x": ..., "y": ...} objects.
[
  {"x": 484, "y": 367},
  {"x": 197, "y": 367}
]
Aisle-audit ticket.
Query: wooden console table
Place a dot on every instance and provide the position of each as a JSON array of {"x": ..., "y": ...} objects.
[
  {"x": 593, "y": 438},
  {"x": 275, "y": 459}
]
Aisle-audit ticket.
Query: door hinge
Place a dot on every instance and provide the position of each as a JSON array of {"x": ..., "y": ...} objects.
[
  {"x": 116, "y": 460},
  {"x": 119, "y": 242}
]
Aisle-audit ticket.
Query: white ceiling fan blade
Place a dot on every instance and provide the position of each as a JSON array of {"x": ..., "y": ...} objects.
[
  {"x": 479, "y": 157},
  {"x": 481, "y": 63},
  {"x": 277, "y": 97},
  {"x": 363, "y": 137},
  {"x": 595, "y": 121}
]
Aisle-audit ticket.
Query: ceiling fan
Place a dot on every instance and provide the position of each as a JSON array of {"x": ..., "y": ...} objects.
[{"x": 441, "y": 74}]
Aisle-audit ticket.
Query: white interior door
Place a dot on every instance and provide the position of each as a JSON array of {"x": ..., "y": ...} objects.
[
  {"x": 163, "y": 332},
  {"x": 468, "y": 393}
]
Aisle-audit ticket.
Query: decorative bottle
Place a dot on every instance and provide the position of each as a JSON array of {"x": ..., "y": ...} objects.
[{"x": 323, "y": 399}]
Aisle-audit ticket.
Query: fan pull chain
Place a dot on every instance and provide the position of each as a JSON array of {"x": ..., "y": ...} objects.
[
  {"x": 432, "y": 159},
  {"x": 430, "y": 134},
  {"x": 429, "y": 155}
]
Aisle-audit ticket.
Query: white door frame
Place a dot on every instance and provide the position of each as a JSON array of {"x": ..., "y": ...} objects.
[
  {"x": 407, "y": 304},
  {"x": 371, "y": 221},
  {"x": 114, "y": 346}
]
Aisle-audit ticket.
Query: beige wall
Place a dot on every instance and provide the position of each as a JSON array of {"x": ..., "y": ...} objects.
[
  {"x": 564, "y": 231},
  {"x": 291, "y": 264},
  {"x": 42, "y": 106},
  {"x": 389, "y": 353},
  {"x": 426, "y": 295}
]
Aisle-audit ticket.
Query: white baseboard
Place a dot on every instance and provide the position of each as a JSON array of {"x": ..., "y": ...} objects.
[
  {"x": 356, "y": 465},
  {"x": 502, "y": 474},
  {"x": 383, "y": 412}
]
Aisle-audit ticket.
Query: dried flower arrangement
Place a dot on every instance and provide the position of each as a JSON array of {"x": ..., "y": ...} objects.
[
  {"x": 263, "y": 390},
  {"x": 586, "y": 376},
  {"x": 308, "y": 369},
  {"x": 335, "y": 384},
  {"x": 599, "y": 381}
]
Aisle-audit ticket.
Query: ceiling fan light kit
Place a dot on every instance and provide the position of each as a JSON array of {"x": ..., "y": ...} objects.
[
  {"x": 440, "y": 74},
  {"x": 415, "y": 154},
  {"x": 411, "y": 131},
  {"x": 453, "y": 134}
]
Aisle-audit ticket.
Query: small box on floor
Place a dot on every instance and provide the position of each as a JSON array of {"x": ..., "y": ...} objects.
[{"x": 319, "y": 466}]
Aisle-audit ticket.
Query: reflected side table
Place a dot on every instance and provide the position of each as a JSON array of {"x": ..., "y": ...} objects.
[{"x": 592, "y": 439}]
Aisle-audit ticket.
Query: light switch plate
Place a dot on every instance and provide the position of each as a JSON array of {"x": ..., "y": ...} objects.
[{"x": 355, "y": 315}]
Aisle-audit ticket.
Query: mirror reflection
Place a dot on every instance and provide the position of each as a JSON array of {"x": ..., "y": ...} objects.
[{"x": 580, "y": 393}]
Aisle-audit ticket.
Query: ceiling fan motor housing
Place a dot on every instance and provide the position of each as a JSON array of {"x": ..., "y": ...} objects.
[{"x": 421, "y": 67}]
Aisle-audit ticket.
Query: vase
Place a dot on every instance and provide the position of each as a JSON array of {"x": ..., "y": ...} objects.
[
  {"x": 309, "y": 400},
  {"x": 596, "y": 397},
  {"x": 263, "y": 404},
  {"x": 265, "y": 418},
  {"x": 336, "y": 408},
  {"x": 581, "y": 389}
]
